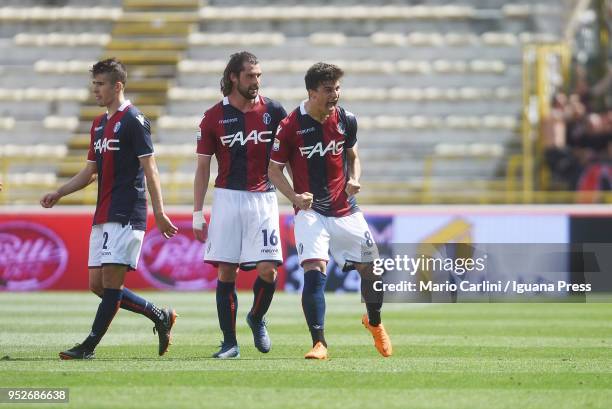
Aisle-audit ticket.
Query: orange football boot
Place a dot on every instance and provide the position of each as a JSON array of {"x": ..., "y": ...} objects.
[
  {"x": 382, "y": 342},
  {"x": 319, "y": 351}
]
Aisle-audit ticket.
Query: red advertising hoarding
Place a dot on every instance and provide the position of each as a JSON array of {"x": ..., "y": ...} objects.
[{"x": 49, "y": 251}]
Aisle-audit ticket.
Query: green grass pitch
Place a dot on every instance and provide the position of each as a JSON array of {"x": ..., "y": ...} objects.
[{"x": 445, "y": 356}]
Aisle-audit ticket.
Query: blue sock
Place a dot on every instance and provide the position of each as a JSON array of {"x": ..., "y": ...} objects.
[
  {"x": 262, "y": 297},
  {"x": 132, "y": 302},
  {"x": 227, "y": 306},
  {"x": 313, "y": 304},
  {"x": 137, "y": 304},
  {"x": 111, "y": 299}
]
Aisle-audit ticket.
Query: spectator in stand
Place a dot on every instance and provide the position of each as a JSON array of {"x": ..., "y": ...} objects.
[{"x": 578, "y": 141}]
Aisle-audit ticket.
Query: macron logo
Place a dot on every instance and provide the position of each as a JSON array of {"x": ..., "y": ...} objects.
[
  {"x": 305, "y": 131},
  {"x": 335, "y": 148},
  {"x": 238, "y": 137}
]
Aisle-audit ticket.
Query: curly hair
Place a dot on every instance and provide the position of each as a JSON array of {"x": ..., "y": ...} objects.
[{"x": 234, "y": 66}]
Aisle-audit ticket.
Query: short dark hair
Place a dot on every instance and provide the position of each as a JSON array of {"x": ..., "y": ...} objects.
[
  {"x": 322, "y": 72},
  {"x": 235, "y": 65},
  {"x": 113, "y": 67}
]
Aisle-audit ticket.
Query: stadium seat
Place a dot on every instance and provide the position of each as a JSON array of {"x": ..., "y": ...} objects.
[
  {"x": 528, "y": 10},
  {"x": 154, "y": 44},
  {"x": 63, "y": 67},
  {"x": 33, "y": 151},
  {"x": 151, "y": 29},
  {"x": 433, "y": 79},
  {"x": 79, "y": 142},
  {"x": 59, "y": 13},
  {"x": 39, "y": 94},
  {"x": 237, "y": 39},
  {"x": 159, "y": 4},
  {"x": 7, "y": 124},
  {"x": 334, "y": 39},
  {"x": 64, "y": 123},
  {"x": 61, "y": 39}
]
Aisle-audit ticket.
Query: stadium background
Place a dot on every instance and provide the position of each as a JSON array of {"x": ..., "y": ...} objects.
[
  {"x": 457, "y": 104},
  {"x": 467, "y": 114}
]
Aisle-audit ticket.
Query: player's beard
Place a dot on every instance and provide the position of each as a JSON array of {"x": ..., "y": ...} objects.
[{"x": 248, "y": 92}]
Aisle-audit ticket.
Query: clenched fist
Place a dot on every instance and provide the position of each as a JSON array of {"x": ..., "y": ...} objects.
[{"x": 303, "y": 201}]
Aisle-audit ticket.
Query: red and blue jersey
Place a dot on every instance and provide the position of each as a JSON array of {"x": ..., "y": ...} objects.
[
  {"x": 316, "y": 153},
  {"x": 241, "y": 142},
  {"x": 116, "y": 144}
]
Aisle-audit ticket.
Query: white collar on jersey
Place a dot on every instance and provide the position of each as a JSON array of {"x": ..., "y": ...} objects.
[
  {"x": 303, "y": 108},
  {"x": 226, "y": 100},
  {"x": 125, "y": 104}
]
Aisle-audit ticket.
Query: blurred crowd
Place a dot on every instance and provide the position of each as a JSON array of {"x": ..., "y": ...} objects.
[{"x": 578, "y": 136}]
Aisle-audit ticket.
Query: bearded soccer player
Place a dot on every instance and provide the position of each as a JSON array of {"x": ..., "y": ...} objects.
[
  {"x": 244, "y": 223},
  {"x": 121, "y": 155},
  {"x": 319, "y": 142}
]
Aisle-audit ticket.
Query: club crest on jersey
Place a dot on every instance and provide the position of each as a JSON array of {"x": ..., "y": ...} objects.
[
  {"x": 334, "y": 147},
  {"x": 117, "y": 126},
  {"x": 276, "y": 146},
  {"x": 238, "y": 137},
  {"x": 341, "y": 127},
  {"x": 267, "y": 118},
  {"x": 103, "y": 145}
]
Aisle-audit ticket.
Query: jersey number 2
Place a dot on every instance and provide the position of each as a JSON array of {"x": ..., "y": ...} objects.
[{"x": 105, "y": 235}]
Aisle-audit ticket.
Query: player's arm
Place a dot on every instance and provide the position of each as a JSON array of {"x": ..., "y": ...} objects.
[
  {"x": 281, "y": 153},
  {"x": 165, "y": 226},
  {"x": 200, "y": 187},
  {"x": 289, "y": 171},
  {"x": 354, "y": 171},
  {"x": 77, "y": 182},
  {"x": 302, "y": 201}
]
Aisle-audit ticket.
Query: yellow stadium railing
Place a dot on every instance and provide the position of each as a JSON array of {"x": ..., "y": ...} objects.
[{"x": 545, "y": 71}]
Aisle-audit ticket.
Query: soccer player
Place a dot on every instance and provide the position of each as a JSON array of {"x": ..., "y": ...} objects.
[
  {"x": 244, "y": 224},
  {"x": 121, "y": 155},
  {"x": 319, "y": 142}
]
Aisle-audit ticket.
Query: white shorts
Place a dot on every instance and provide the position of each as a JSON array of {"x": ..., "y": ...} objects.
[
  {"x": 113, "y": 243},
  {"x": 348, "y": 238},
  {"x": 244, "y": 229}
]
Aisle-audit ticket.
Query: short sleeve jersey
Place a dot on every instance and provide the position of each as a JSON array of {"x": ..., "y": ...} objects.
[
  {"x": 241, "y": 142},
  {"x": 116, "y": 145},
  {"x": 316, "y": 153}
]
